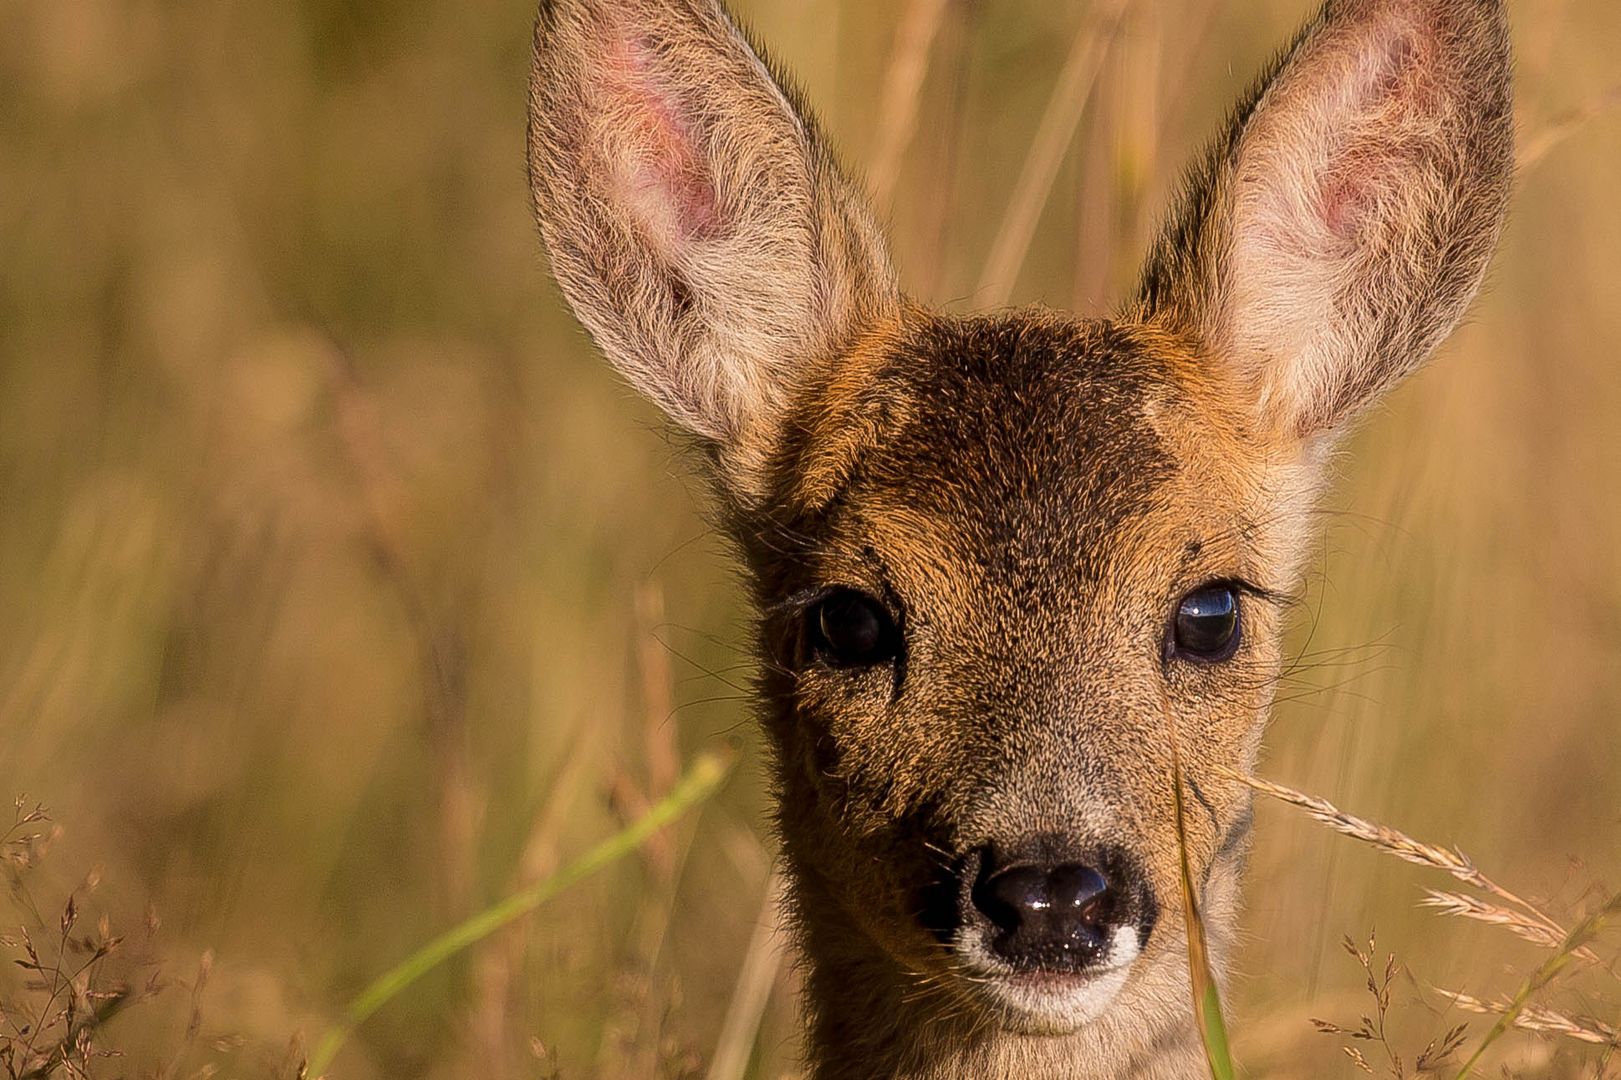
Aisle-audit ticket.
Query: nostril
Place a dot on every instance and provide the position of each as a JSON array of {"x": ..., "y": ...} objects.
[
  {"x": 1010, "y": 898},
  {"x": 1073, "y": 889}
]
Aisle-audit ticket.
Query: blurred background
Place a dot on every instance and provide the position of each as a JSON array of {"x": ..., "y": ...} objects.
[{"x": 343, "y": 589}]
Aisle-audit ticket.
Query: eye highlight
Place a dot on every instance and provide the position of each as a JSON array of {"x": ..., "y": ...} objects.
[
  {"x": 1206, "y": 625},
  {"x": 849, "y": 629}
]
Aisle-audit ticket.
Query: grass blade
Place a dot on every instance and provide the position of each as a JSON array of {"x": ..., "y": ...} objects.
[
  {"x": 741, "y": 1028},
  {"x": 1580, "y": 936},
  {"x": 902, "y": 95},
  {"x": 1535, "y": 925},
  {"x": 699, "y": 783},
  {"x": 1206, "y": 997},
  {"x": 1046, "y": 156}
]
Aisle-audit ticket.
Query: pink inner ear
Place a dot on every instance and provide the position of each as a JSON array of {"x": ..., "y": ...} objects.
[
  {"x": 1392, "y": 93},
  {"x": 1350, "y": 189},
  {"x": 658, "y": 162}
]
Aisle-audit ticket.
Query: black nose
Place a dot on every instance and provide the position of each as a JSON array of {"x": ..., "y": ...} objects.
[
  {"x": 1053, "y": 907},
  {"x": 1039, "y": 900}
]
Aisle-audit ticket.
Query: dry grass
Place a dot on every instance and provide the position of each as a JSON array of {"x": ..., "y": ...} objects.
[
  {"x": 1505, "y": 910},
  {"x": 331, "y": 555},
  {"x": 1543, "y": 1021},
  {"x": 1051, "y": 146},
  {"x": 1519, "y": 915},
  {"x": 1373, "y": 1034},
  {"x": 73, "y": 987}
]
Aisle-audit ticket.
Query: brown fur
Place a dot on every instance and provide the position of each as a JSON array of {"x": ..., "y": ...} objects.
[{"x": 1029, "y": 495}]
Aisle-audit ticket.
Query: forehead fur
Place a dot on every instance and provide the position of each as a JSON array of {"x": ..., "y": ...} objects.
[{"x": 1003, "y": 423}]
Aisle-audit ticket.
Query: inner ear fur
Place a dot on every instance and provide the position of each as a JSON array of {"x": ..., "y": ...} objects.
[
  {"x": 1344, "y": 221},
  {"x": 694, "y": 219}
]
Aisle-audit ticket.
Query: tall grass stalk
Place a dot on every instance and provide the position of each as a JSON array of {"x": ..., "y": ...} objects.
[
  {"x": 755, "y": 979},
  {"x": 1520, "y": 915},
  {"x": 701, "y": 781},
  {"x": 902, "y": 95},
  {"x": 1206, "y": 996},
  {"x": 1586, "y": 931},
  {"x": 1041, "y": 165}
]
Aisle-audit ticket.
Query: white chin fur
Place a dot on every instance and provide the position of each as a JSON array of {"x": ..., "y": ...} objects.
[{"x": 1052, "y": 1004}]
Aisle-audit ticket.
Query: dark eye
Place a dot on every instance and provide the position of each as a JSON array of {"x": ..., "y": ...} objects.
[
  {"x": 1206, "y": 624},
  {"x": 847, "y": 628}
]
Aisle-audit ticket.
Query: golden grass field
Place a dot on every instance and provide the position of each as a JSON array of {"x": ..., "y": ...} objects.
[{"x": 344, "y": 590}]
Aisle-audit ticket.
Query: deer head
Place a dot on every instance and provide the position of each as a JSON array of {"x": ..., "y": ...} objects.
[{"x": 1009, "y": 566}]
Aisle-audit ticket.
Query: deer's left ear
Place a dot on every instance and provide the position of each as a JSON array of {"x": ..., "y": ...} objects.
[{"x": 1339, "y": 230}]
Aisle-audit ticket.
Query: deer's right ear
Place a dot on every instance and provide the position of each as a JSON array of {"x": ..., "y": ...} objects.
[{"x": 692, "y": 217}]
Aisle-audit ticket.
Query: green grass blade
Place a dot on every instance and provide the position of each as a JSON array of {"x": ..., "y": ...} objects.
[
  {"x": 699, "y": 783},
  {"x": 1213, "y": 1030},
  {"x": 1590, "y": 928},
  {"x": 1206, "y": 997}
]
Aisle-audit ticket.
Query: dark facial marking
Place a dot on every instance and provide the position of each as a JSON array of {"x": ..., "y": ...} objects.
[
  {"x": 1026, "y": 432},
  {"x": 1029, "y": 430}
]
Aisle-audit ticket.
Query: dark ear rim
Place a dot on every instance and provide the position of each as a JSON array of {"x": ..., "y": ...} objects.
[{"x": 1177, "y": 257}]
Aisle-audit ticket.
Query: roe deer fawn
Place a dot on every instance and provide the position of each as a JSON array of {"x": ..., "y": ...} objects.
[{"x": 999, "y": 560}]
